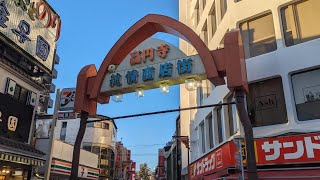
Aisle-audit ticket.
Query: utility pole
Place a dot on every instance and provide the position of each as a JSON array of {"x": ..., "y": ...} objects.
[
  {"x": 249, "y": 139},
  {"x": 52, "y": 136},
  {"x": 77, "y": 145}
]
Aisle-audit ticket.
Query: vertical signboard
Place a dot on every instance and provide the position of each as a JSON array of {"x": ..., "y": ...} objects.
[
  {"x": 161, "y": 160},
  {"x": 133, "y": 170},
  {"x": 67, "y": 99},
  {"x": 118, "y": 160}
]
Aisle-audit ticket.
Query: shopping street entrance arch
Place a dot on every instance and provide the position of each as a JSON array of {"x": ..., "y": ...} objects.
[{"x": 149, "y": 68}]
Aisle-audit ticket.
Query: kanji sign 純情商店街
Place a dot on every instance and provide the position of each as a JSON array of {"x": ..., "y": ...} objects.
[{"x": 154, "y": 61}]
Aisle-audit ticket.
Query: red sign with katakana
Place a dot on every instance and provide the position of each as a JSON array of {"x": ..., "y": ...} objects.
[
  {"x": 288, "y": 149},
  {"x": 218, "y": 159}
]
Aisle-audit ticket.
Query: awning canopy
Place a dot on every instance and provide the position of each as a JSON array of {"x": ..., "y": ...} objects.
[{"x": 4, "y": 156}]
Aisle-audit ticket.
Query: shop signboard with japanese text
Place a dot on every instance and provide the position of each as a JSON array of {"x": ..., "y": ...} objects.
[
  {"x": 33, "y": 26},
  {"x": 297, "y": 149},
  {"x": 151, "y": 63},
  {"x": 161, "y": 161},
  {"x": 15, "y": 118},
  {"x": 221, "y": 158}
]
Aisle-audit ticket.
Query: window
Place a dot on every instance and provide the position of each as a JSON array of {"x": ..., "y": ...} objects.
[
  {"x": 204, "y": 33},
  {"x": 197, "y": 14},
  {"x": 208, "y": 88},
  {"x": 300, "y": 22},
  {"x": 306, "y": 89},
  {"x": 20, "y": 93},
  {"x": 63, "y": 131},
  {"x": 258, "y": 36},
  {"x": 266, "y": 104},
  {"x": 202, "y": 137},
  {"x": 213, "y": 21},
  {"x": 105, "y": 126},
  {"x": 97, "y": 125},
  {"x": 200, "y": 90},
  {"x": 219, "y": 124},
  {"x": 223, "y": 7},
  {"x": 204, "y": 90},
  {"x": 204, "y": 4},
  {"x": 210, "y": 130},
  {"x": 232, "y": 116},
  {"x": 90, "y": 124},
  {"x": 87, "y": 148},
  {"x": 96, "y": 149}
]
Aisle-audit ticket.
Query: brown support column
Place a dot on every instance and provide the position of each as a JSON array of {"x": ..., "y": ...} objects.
[
  {"x": 77, "y": 145},
  {"x": 248, "y": 133}
]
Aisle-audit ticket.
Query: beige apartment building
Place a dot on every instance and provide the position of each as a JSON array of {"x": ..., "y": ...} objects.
[{"x": 281, "y": 44}]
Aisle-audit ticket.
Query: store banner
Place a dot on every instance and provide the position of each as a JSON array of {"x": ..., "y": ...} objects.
[
  {"x": 219, "y": 159},
  {"x": 294, "y": 149},
  {"x": 118, "y": 157},
  {"x": 15, "y": 118},
  {"x": 303, "y": 148},
  {"x": 161, "y": 160},
  {"x": 133, "y": 171}
]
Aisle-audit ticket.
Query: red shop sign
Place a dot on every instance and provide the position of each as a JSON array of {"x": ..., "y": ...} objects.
[
  {"x": 303, "y": 148},
  {"x": 218, "y": 159}
]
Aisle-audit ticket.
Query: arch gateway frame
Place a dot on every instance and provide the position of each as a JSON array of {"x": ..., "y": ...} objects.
[{"x": 226, "y": 62}]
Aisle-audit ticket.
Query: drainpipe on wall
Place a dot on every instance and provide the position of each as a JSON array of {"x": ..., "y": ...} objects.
[{"x": 248, "y": 132}]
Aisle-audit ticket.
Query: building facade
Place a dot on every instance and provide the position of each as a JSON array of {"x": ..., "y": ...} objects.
[
  {"x": 27, "y": 59},
  {"x": 99, "y": 138},
  {"x": 280, "y": 41},
  {"x": 124, "y": 166},
  {"x": 62, "y": 152}
]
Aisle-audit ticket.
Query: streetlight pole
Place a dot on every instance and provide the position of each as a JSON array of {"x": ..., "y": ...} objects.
[{"x": 52, "y": 135}]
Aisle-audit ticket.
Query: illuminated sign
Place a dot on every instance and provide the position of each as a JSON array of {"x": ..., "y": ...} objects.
[
  {"x": 67, "y": 99},
  {"x": 33, "y": 26},
  {"x": 152, "y": 62}
]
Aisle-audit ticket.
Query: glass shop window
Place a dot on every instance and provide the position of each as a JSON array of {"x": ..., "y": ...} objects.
[
  {"x": 306, "y": 89},
  {"x": 258, "y": 36},
  {"x": 300, "y": 22},
  {"x": 266, "y": 104}
]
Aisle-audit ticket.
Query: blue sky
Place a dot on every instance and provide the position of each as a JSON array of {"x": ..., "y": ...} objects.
[{"x": 89, "y": 30}]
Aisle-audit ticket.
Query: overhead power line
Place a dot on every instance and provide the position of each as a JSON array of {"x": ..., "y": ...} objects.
[
  {"x": 146, "y": 145},
  {"x": 162, "y": 112}
]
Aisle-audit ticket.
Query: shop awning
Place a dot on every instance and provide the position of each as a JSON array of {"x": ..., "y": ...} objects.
[
  {"x": 22, "y": 153},
  {"x": 21, "y": 159}
]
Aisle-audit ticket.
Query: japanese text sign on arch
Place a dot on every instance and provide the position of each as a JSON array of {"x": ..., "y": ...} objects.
[{"x": 152, "y": 62}]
